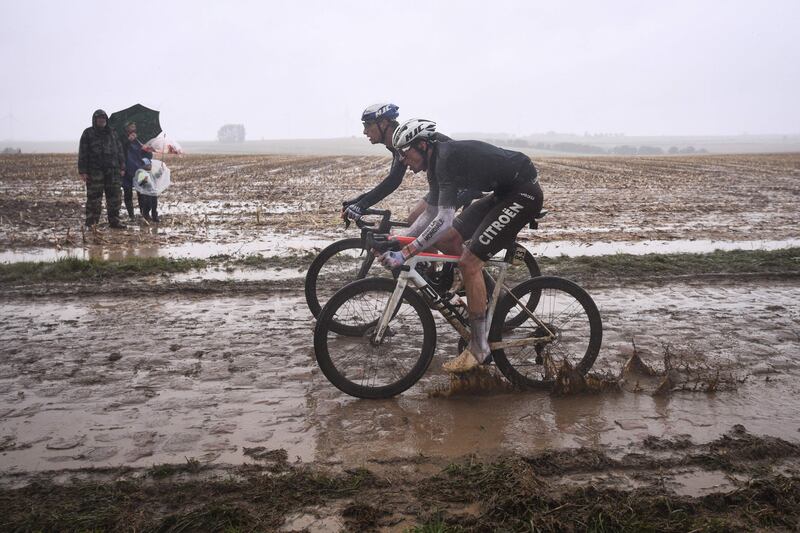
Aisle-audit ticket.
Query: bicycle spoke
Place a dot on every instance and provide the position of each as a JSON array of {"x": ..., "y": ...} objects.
[
  {"x": 358, "y": 359},
  {"x": 564, "y": 330}
]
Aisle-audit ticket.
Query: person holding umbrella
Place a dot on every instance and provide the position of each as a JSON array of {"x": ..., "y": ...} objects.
[
  {"x": 144, "y": 123},
  {"x": 101, "y": 165},
  {"x": 135, "y": 152}
]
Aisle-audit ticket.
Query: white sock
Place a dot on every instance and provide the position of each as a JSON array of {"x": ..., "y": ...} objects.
[{"x": 479, "y": 337}]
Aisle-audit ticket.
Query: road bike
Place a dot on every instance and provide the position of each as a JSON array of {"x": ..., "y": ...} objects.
[
  {"x": 535, "y": 326},
  {"x": 346, "y": 260}
]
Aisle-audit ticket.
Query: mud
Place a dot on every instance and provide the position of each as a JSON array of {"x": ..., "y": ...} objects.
[
  {"x": 188, "y": 374},
  {"x": 222, "y": 201},
  {"x": 118, "y": 379},
  {"x": 736, "y": 482}
]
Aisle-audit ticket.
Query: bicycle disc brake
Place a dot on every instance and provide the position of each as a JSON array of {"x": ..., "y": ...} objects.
[{"x": 371, "y": 331}]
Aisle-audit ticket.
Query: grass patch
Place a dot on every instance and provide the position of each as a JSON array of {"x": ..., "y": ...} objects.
[
  {"x": 191, "y": 466},
  {"x": 513, "y": 493},
  {"x": 617, "y": 266},
  {"x": 784, "y": 261},
  {"x": 72, "y": 269},
  {"x": 257, "y": 501}
]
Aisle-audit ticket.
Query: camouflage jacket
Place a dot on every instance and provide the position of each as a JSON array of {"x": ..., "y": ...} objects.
[{"x": 100, "y": 150}]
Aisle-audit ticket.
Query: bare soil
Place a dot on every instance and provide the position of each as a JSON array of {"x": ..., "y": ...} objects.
[
  {"x": 179, "y": 404},
  {"x": 236, "y": 199}
]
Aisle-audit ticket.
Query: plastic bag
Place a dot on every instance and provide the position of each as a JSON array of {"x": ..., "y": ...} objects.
[{"x": 152, "y": 182}]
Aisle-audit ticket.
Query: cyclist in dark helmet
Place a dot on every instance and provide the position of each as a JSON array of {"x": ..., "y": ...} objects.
[
  {"x": 490, "y": 224},
  {"x": 380, "y": 123}
]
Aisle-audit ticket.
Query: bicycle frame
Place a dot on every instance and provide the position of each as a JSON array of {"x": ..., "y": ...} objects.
[{"x": 409, "y": 274}]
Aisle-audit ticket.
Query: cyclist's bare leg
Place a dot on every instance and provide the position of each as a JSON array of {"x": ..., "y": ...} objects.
[
  {"x": 478, "y": 350},
  {"x": 471, "y": 268},
  {"x": 451, "y": 243}
]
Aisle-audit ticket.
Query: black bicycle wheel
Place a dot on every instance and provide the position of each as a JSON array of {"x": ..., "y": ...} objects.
[
  {"x": 355, "y": 364},
  {"x": 565, "y": 312},
  {"x": 336, "y": 266}
]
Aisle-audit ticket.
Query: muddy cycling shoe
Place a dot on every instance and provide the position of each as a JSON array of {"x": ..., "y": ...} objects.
[
  {"x": 117, "y": 225},
  {"x": 463, "y": 363}
]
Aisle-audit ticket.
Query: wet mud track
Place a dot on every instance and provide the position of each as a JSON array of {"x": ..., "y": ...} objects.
[
  {"x": 190, "y": 376},
  {"x": 121, "y": 379},
  {"x": 218, "y": 204}
]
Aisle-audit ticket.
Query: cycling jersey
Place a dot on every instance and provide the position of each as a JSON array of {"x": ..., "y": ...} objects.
[
  {"x": 494, "y": 221},
  {"x": 387, "y": 186},
  {"x": 474, "y": 165},
  {"x": 392, "y": 181}
]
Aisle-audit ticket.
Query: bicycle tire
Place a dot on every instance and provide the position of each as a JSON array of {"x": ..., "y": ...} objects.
[
  {"x": 361, "y": 352},
  {"x": 531, "y": 270},
  {"x": 568, "y": 311},
  {"x": 312, "y": 276}
]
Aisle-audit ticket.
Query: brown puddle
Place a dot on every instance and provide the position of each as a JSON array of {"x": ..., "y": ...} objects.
[{"x": 127, "y": 380}]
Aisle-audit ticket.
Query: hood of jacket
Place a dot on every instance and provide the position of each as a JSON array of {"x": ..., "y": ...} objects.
[{"x": 99, "y": 113}]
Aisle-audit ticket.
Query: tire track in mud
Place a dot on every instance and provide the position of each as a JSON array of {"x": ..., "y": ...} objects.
[{"x": 145, "y": 379}]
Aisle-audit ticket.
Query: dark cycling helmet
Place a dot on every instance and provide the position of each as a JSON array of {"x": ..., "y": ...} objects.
[{"x": 378, "y": 111}]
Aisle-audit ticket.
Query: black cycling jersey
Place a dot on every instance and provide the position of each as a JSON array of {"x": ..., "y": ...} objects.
[
  {"x": 456, "y": 165},
  {"x": 389, "y": 184},
  {"x": 392, "y": 181}
]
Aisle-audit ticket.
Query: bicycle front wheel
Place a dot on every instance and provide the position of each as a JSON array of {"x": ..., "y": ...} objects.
[
  {"x": 562, "y": 324},
  {"x": 356, "y": 364}
]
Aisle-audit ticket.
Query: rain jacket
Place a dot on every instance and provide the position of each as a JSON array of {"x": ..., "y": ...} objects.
[
  {"x": 133, "y": 161},
  {"x": 99, "y": 149}
]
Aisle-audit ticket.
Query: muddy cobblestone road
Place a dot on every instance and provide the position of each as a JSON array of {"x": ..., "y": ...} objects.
[{"x": 113, "y": 379}]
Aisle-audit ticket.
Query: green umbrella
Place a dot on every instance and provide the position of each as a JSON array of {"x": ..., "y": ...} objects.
[{"x": 147, "y": 125}]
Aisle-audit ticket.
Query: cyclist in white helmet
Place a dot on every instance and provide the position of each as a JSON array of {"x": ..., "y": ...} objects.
[
  {"x": 380, "y": 123},
  {"x": 490, "y": 224}
]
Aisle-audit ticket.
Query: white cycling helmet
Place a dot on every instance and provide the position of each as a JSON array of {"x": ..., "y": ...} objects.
[{"x": 416, "y": 129}]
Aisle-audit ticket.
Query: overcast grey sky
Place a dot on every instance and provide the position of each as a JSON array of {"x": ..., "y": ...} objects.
[{"x": 306, "y": 69}]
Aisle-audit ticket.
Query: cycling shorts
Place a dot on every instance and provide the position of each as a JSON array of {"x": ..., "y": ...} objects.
[{"x": 492, "y": 223}]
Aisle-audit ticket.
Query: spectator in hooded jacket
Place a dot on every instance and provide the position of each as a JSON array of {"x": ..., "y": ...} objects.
[{"x": 101, "y": 165}]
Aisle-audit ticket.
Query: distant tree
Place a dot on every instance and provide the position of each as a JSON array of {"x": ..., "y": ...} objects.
[
  {"x": 624, "y": 150},
  {"x": 687, "y": 150},
  {"x": 577, "y": 148},
  {"x": 673, "y": 150},
  {"x": 231, "y": 133},
  {"x": 650, "y": 150}
]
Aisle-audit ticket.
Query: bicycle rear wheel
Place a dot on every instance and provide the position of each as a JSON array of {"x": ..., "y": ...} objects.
[
  {"x": 517, "y": 273},
  {"x": 336, "y": 266},
  {"x": 566, "y": 314},
  {"x": 354, "y": 363}
]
